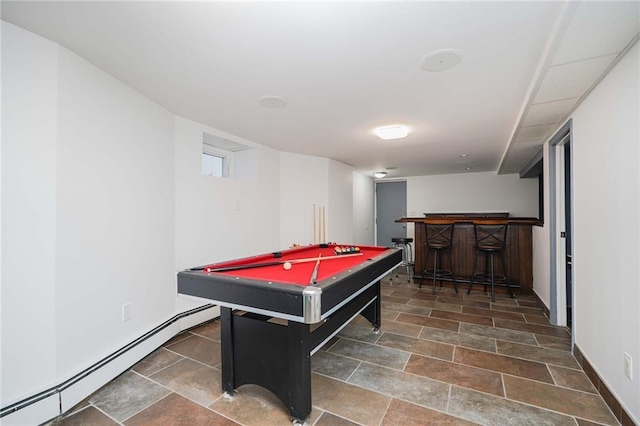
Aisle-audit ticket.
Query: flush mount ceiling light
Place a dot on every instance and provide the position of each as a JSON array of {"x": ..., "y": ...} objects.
[
  {"x": 391, "y": 132},
  {"x": 272, "y": 102},
  {"x": 441, "y": 60},
  {"x": 379, "y": 175}
]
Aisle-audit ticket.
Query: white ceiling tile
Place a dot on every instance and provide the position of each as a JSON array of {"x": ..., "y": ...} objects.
[
  {"x": 598, "y": 29},
  {"x": 519, "y": 157},
  {"x": 571, "y": 80},
  {"x": 528, "y": 144},
  {"x": 529, "y": 133},
  {"x": 549, "y": 112}
]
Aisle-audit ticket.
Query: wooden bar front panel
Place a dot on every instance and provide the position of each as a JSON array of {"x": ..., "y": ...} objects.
[{"x": 518, "y": 254}]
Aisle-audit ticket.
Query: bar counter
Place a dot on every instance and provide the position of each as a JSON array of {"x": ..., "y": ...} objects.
[{"x": 518, "y": 252}]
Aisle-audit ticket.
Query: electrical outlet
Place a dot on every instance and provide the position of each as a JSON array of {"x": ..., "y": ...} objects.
[
  {"x": 628, "y": 366},
  {"x": 126, "y": 312}
]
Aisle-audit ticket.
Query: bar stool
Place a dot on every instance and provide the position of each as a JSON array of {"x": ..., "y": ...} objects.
[
  {"x": 490, "y": 241},
  {"x": 407, "y": 254},
  {"x": 439, "y": 239}
]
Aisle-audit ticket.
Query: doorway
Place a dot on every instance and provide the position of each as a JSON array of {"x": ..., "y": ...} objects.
[
  {"x": 561, "y": 216},
  {"x": 391, "y": 205}
]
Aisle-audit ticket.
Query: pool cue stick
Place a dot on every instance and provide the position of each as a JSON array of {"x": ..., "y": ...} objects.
[
  {"x": 274, "y": 263},
  {"x": 319, "y": 224},
  {"x": 314, "y": 274},
  {"x": 324, "y": 233},
  {"x": 322, "y": 227},
  {"x": 314, "y": 224},
  {"x": 239, "y": 267},
  {"x": 324, "y": 220},
  {"x": 312, "y": 259}
]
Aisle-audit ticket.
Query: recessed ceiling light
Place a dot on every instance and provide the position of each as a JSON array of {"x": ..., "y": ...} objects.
[
  {"x": 272, "y": 102},
  {"x": 441, "y": 60},
  {"x": 467, "y": 168},
  {"x": 391, "y": 132},
  {"x": 463, "y": 155},
  {"x": 379, "y": 175}
]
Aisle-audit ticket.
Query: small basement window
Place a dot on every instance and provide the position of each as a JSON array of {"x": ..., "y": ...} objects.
[
  {"x": 219, "y": 156},
  {"x": 214, "y": 164}
]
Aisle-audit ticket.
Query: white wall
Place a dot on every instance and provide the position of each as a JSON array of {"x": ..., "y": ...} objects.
[
  {"x": 469, "y": 193},
  {"x": 218, "y": 218},
  {"x": 88, "y": 222},
  {"x": 340, "y": 199},
  {"x": 115, "y": 213},
  {"x": 472, "y": 192},
  {"x": 306, "y": 181},
  {"x": 303, "y": 183},
  {"x": 541, "y": 236},
  {"x": 606, "y": 252},
  {"x": 363, "y": 210},
  {"x": 606, "y": 153},
  {"x": 29, "y": 83}
]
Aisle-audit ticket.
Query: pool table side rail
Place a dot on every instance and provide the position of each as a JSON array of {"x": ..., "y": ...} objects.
[
  {"x": 287, "y": 301},
  {"x": 267, "y": 257}
]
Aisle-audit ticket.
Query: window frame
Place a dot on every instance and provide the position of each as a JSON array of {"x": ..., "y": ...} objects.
[{"x": 226, "y": 157}]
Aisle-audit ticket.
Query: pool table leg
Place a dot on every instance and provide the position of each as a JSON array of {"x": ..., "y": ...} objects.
[
  {"x": 285, "y": 349},
  {"x": 226, "y": 344},
  {"x": 299, "y": 358},
  {"x": 372, "y": 312}
]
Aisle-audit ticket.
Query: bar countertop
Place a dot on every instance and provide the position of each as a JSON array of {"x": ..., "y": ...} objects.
[{"x": 460, "y": 219}]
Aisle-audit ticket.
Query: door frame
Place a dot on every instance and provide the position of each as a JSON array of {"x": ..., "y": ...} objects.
[{"x": 558, "y": 291}]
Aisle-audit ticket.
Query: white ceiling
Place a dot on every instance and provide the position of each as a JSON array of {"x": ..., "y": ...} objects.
[{"x": 345, "y": 68}]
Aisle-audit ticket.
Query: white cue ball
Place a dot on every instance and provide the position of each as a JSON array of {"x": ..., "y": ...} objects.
[{"x": 286, "y": 266}]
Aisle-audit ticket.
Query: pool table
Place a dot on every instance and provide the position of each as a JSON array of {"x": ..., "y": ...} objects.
[{"x": 275, "y": 316}]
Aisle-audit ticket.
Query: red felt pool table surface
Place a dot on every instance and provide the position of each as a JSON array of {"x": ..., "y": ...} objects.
[{"x": 300, "y": 273}]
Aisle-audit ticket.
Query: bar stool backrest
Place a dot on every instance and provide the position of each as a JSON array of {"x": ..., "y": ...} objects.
[
  {"x": 439, "y": 232},
  {"x": 490, "y": 234}
]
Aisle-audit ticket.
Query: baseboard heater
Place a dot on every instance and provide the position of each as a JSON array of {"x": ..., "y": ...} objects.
[{"x": 12, "y": 408}]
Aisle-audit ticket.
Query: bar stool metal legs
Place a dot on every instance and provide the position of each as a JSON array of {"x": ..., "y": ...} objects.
[
  {"x": 407, "y": 256},
  {"x": 438, "y": 274},
  {"x": 490, "y": 241},
  {"x": 439, "y": 238},
  {"x": 489, "y": 277}
]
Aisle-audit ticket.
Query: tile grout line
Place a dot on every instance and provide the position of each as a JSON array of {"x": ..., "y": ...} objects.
[
  {"x": 187, "y": 398},
  {"x": 215, "y": 367},
  {"x": 182, "y": 357},
  {"x": 574, "y": 417},
  {"x": 158, "y": 400},
  {"x": 105, "y": 413}
]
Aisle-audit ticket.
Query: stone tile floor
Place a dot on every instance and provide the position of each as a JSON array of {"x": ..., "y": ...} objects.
[{"x": 441, "y": 359}]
